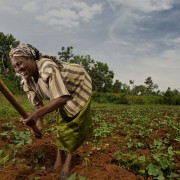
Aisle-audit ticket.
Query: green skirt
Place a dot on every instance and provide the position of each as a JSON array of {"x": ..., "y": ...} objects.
[{"x": 73, "y": 131}]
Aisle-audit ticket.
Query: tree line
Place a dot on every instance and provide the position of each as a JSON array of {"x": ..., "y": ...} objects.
[{"x": 102, "y": 76}]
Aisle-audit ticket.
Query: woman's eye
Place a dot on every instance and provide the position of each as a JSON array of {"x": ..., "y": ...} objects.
[{"x": 19, "y": 63}]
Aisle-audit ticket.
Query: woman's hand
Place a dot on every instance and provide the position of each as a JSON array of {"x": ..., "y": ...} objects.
[
  {"x": 31, "y": 120},
  {"x": 34, "y": 124},
  {"x": 21, "y": 120}
]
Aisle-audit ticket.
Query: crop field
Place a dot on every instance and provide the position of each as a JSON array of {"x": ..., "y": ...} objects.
[{"x": 129, "y": 142}]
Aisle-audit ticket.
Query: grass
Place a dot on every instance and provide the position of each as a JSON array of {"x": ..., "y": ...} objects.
[{"x": 8, "y": 111}]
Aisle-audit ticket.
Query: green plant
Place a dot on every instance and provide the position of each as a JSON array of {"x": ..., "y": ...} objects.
[
  {"x": 131, "y": 161},
  {"x": 74, "y": 177},
  {"x": 7, "y": 154},
  {"x": 19, "y": 138},
  {"x": 103, "y": 130}
]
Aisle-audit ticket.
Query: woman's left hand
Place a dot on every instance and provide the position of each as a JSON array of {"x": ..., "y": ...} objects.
[{"x": 31, "y": 120}]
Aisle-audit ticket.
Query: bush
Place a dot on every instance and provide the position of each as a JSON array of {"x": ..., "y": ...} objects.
[
  {"x": 110, "y": 98},
  {"x": 13, "y": 84},
  {"x": 171, "y": 97},
  {"x": 123, "y": 98}
]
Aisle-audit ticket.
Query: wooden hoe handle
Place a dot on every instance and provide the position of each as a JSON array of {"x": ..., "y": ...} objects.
[{"x": 10, "y": 97}]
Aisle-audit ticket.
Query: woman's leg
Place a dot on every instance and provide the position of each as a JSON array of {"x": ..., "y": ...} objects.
[
  {"x": 67, "y": 164},
  {"x": 60, "y": 156},
  {"x": 59, "y": 159},
  {"x": 65, "y": 172}
]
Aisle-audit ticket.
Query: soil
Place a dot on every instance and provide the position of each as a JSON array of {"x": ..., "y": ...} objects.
[{"x": 90, "y": 161}]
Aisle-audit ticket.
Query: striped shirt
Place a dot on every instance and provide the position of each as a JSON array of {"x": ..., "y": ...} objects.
[{"x": 54, "y": 82}]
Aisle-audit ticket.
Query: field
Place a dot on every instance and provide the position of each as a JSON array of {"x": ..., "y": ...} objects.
[{"x": 128, "y": 143}]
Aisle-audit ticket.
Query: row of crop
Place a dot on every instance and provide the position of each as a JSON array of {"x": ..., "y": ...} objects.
[{"x": 141, "y": 126}]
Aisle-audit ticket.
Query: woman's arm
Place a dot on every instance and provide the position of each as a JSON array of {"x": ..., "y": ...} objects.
[{"x": 43, "y": 110}]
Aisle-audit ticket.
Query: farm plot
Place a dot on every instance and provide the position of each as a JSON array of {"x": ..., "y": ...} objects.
[{"x": 128, "y": 143}]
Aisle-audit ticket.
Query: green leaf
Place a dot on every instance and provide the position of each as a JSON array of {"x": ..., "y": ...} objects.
[
  {"x": 72, "y": 177},
  {"x": 160, "y": 177},
  {"x": 177, "y": 152},
  {"x": 141, "y": 159},
  {"x": 173, "y": 175},
  {"x": 82, "y": 178},
  {"x": 170, "y": 151},
  {"x": 142, "y": 171},
  {"x": 130, "y": 144},
  {"x": 152, "y": 170},
  {"x": 4, "y": 160}
]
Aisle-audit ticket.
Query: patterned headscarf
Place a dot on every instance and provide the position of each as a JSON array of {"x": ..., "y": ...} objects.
[
  {"x": 25, "y": 50},
  {"x": 30, "y": 51}
]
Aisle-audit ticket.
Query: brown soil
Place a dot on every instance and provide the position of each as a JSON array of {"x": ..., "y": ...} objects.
[{"x": 95, "y": 162}]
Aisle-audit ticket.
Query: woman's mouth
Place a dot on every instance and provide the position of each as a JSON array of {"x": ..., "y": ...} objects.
[{"x": 23, "y": 73}]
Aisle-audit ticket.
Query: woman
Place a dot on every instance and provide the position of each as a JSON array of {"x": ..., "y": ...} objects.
[{"x": 68, "y": 87}]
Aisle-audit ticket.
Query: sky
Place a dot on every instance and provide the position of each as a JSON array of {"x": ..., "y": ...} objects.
[{"x": 135, "y": 38}]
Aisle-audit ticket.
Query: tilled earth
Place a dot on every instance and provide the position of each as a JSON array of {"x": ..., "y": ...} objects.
[
  {"x": 94, "y": 162},
  {"x": 88, "y": 161}
]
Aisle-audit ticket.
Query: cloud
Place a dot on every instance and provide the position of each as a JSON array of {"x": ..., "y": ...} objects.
[
  {"x": 65, "y": 14},
  {"x": 138, "y": 27},
  {"x": 59, "y": 14},
  {"x": 60, "y": 18},
  {"x": 143, "y": 5},
  {"x": 89, "y": 12}
]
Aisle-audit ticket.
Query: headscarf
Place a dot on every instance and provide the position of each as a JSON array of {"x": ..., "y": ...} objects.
[
  {"x": 28, "y": 50},
  {"x": 25, "y": 50}
]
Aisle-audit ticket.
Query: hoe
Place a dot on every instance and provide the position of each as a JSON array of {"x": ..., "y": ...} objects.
[{"x": 10, "y": 97}]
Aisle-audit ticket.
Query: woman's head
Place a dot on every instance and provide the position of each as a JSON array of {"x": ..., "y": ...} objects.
[
  {"x": 25, "y": 50},
  {"x": 23, "y": 60}
]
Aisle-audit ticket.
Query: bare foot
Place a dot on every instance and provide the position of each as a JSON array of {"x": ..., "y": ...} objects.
[
  {"x": 58, "y": 163},
  {"x": 54, "y": 168}
]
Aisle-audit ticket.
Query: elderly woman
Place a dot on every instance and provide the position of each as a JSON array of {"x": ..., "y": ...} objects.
[{"x": 68, "y": 87}]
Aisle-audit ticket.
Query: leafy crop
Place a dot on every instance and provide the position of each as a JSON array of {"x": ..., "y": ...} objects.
[
  {"x": 153, "y": 129},
  {"x": 148, "y": 139}
]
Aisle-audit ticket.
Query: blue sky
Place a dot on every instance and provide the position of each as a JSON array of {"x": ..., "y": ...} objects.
[{"x": 136, "y": 38}]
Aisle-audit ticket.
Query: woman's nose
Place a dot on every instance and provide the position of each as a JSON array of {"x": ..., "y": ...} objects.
[{"x": 17, "y": 69}]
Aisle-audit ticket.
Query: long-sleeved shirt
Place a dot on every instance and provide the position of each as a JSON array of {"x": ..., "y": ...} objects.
[{"x": 55, "y": 81}]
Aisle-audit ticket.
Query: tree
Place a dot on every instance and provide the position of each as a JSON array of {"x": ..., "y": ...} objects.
[
  {"x": 85, "y": 61},
  {"x": 131, "y": 82},
  {"x": 66, "y": 54},
  {"x": 150, "y": 86},
  {"x": 125, "y": 88},
  {"x": 139, "y": 90},
  {"x": 117, "y": 86},
  {"x": 6, "y": 43},
  {"x": 171, "y": 97},
  {"x": 7, "y": 72},
  {"x": 102, "y": 77}
]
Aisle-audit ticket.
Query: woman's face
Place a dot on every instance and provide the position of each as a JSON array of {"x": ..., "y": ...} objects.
[{"x": 24, "y": 66}]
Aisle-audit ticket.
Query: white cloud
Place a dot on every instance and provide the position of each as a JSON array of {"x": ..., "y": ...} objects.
[
  {"x": 88, "y": 12},
  {"x": 172, "y": 41},
  {"x": 62, "y": 17},
  {"x": 68, "y": 14},
  {"x": 57, "y": 13},
  {"x": 144, "y": 5},
  {"x": 141, "y": 32},
  {"x": 164, "y": 61}
]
